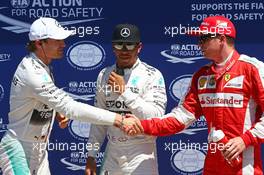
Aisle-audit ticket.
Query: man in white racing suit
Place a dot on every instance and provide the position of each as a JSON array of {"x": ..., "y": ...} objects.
[
  {"x": 129, "y": 86},
  {"x": 35, "y": 100}
]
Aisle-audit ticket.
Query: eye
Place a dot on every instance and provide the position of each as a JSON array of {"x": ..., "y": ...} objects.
[
  {"x": 130, "y": 47},
  {"x": 130, "y": 44}
]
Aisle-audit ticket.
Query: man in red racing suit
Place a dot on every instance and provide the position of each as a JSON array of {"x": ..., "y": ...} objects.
[{"x": 229, "y": 92}]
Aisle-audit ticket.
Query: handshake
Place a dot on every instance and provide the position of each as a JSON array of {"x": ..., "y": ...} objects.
[{"x": 129, "y": 124}]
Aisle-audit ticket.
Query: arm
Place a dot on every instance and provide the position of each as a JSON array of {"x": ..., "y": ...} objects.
[
  {"x": 171, "y": 123},
  {"x": 179, "y": 118},
  {"x": 43, "y": 89},
  {"x": 152, "y": 102},
  {"x": 255, "y": 134}
]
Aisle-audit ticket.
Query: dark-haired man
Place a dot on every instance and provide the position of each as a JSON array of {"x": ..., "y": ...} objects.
[{"x": 130, "y": 86}]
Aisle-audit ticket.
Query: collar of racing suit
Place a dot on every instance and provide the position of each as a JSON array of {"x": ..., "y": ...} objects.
[
  {"x": 47, "y": 68},
  {"x": 228, "y": 65},
  {"x": 225, "y": 61}
]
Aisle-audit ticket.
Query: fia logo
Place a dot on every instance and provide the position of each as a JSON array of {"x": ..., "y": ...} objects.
[
  {"x": 183, "y": 53},
  {"x": 20, "y": 3}
]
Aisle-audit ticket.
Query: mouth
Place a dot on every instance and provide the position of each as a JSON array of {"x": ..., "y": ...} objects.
[
  {"x": 124, "y": 59},
  {"x": 124, "y": 56}
]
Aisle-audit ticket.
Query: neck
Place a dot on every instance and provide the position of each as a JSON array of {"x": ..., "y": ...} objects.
[
  {"x": 224, "y": 55},
  {"x": 42, "y": 56}
]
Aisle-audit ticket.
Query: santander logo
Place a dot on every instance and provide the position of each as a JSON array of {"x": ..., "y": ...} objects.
[{"x": 221, "y": 100}]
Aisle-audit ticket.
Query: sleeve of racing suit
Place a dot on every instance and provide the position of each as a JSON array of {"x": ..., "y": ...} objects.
[
  {"x": 98, "y": 132},
  {"x": 45, "y": 91},
  {"x": 179, "y": 118},
  {"x": 255, "y": 135},
  {"x": 154, "y": 100}
]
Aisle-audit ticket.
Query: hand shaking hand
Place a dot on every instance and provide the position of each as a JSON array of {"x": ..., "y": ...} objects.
[
  {"x": 134, "y": 128},
  {"x": 130, "y": 124}
]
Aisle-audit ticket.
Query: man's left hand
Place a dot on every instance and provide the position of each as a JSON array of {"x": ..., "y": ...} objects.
[
  {"x": 233, "y": 148},
  {"x": 62, "y": 120}
]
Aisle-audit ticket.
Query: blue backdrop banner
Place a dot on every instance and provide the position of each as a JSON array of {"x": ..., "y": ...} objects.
[{"x": 163, "y": 25}]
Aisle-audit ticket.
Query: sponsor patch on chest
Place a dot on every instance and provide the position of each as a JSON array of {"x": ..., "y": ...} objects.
[
  {"x": 207, "y": 82},
  {"x": 221, "y": 100},
  {"x": 236, "y": 82}
]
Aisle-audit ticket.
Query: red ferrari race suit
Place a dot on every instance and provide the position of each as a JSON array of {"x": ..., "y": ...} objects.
[{"x": 230, "y": 100}]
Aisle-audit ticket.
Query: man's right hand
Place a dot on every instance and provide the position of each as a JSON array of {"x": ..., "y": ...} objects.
[
  {"x": 131, "y": 122},
  {"x": 134, "y": 125},
  {"x": 133, "y": 129},
  {"x": 90, "y": 168}
]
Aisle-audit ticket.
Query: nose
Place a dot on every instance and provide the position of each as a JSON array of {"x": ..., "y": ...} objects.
[{"x": 124, "y": 48}]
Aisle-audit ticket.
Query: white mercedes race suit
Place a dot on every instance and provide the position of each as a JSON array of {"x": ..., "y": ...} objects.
[
  {"x": 33, "y": 101},
  {"x": 144, "y": 96}
]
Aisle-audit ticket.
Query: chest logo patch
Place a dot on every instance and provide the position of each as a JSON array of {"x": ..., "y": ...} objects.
[
  {"x": 202, "y": 82},
  {"x": 211, "y": 82},
  {"x": 207, "y": 82},
  {"x": 236, "y": 82},
  {"x": 227, "y": 77}
]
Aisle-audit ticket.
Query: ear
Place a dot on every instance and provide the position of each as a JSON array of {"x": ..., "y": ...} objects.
[
  {"x": 223, "y": 38},
  {"x": 38, "y": 43},
  {"x": 140, "y": 45}
]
